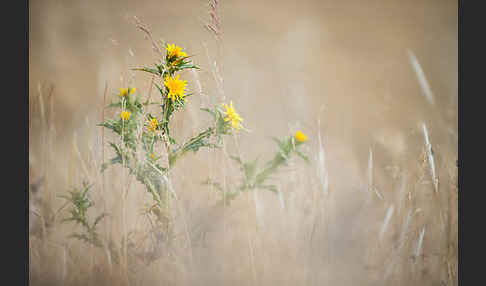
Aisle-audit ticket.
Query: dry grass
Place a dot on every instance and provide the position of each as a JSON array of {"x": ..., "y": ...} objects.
[{"x": 306, "y": 236}]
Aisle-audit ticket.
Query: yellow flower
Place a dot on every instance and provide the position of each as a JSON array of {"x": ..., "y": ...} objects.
[
  {"x": 125, "y": 115},
  {"x": 124, "y": 91},
  {"x": 232, "y": 116},
  {"x": 300, "y": 136},
  {"x": 175, "y": 51},
  {"x": 152, "y": 124},
  {"x": 152, "y": 155},
  {"x": 177, "y": 87}
]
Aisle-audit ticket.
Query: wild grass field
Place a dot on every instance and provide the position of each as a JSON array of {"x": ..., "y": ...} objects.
[{"x": 342, "y": 171}]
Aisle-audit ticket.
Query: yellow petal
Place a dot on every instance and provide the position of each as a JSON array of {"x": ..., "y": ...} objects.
[{"x": 300, "y": 136}]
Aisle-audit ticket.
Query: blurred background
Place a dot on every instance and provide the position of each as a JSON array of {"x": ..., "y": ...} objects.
[{"x": 358, "y": 77}]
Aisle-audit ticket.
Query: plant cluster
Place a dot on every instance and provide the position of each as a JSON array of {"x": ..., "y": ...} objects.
[
  {"x": 141, "y": 131},
  {"x": 80, "y": 204},
  {"x": 255, "y": 177},
  {"x": 145, "y": 146}
]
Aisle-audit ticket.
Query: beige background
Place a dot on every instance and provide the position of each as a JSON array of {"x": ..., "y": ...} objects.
[{"x": 285, "y": 65}]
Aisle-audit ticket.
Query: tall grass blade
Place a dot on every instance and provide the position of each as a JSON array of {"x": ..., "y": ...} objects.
[
  {"x": 419, "y": 243},
  {"x": 421, "y": 77},
  {"x": 430, "y": 156},
  {"x": 388, "y": 217}
]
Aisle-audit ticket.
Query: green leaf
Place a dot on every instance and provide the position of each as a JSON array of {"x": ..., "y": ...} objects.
[
  {"x": 237, "y": 159},
  {"x": 271, "y": 167},
  {"x": 272, "y": 188},
  {"x": 80, "y": 236},
  {"x": 160, "y": 69},
  {"x": 187, "y": 66},
  {"x": 198, "y": 141},
  {"x": 227, "y": 199},
  {"x": 210, "y": 182},
  {"x": 286, "y": 147},
  {"x": 99, "y": 218},
  {"x": 172, "y": 159},
  {"x": 279, "y": 143},
  {"x": 110, "y": 125},
  {"x": 113, "y": 161},
  {"x": 264, "y": 175},
  {"x": 172, "y": 140},
  {"x": 115, "y": 104},
  {"x": 209, "y": 111},
  {"x": 160, "y": 89},
  {"x": 302, "y": 156},
  {"x": 250, "y": 169},
  {"x": 149, "y": 70},
  {"x": 222, "y": 127}
]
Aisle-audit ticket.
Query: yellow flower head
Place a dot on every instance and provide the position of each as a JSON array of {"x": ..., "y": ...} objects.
[
  {"x": 124, "y": 91},
  {"x": 232, "y": 116},
  {"x": 175, "y": 51},
  {"x": 300, "y": 136},
  {"x": 125, "y": 115},
  {"x": 153, "y": 124},
  {"x": 177, "y": 87},
  {"x": 152, "y": 155}
]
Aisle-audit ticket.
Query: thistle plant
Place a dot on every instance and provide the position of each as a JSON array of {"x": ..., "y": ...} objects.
[
  {"x": 80, "y": 204},
  {"x": 140, "y": 132},
  {"x": 255, "y": 177}
]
